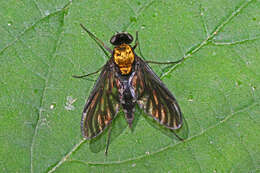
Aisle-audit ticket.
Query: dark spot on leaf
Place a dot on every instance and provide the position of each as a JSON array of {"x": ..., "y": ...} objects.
[
  {"x": 238, "y": 83},
  {"x": 155, "y": 14},
  {"x": 9, "y": 23},
  {"x": 190, "y": 98},
  {"x": 133, "y": 19}
]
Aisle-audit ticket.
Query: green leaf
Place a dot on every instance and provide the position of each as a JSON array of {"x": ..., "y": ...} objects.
[{"x": 217, "y": 85}]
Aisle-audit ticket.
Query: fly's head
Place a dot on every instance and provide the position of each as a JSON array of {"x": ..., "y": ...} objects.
[
  {"x": 120, "y": 38},
  {"x": 123, "y": 54}
]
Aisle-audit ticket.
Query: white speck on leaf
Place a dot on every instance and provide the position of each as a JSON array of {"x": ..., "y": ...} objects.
[
  {"x": 253, "y": 87},
  {"x": 52, "y": 106},
  {"x": 68, "y": 105},
  {"x": 47, "y": 12},
  {"x": 44, "y": 122}
]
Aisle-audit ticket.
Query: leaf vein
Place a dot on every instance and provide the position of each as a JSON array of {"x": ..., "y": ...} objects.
[
  {"x": 172, "y": 145},
  {"x": 139, "y": 12},
  {"x": 37, "y": 6},
  {"x": 236, "y": 42},
  {"x": 32, "y": 26},
  {"x": 195, "y": 49},
  {"x": 44, "y": 92}
]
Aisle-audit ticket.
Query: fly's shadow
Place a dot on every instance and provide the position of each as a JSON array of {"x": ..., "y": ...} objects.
[{"x": 180, "y": 134}]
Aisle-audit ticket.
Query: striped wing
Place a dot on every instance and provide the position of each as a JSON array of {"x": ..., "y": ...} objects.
[
  {"x": 154, "y": 98},
  {"x": 102, "y": 105}
]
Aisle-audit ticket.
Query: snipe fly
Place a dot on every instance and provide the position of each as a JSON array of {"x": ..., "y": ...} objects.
[{"x": 126, "y": 80}]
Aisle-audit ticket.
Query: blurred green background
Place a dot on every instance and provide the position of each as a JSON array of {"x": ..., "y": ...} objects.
[{"x": 217, "y": 86}]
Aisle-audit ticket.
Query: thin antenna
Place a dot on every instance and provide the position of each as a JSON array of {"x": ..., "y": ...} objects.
[{"x": 100, "y": 43}]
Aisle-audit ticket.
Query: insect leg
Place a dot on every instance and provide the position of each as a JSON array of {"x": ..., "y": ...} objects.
[
  {"x": 108, "y": 139},
  {"x": 136, "y": 40},
  {"x": 172, "y": 62},
  {"x": 89, "y": 74},
  {"x": 137, "y": 43},
  {"x": 181, "y": 139},
  {"x": 100, "y": 43}
]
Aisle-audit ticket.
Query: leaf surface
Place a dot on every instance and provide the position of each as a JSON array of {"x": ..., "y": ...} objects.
[{"x": 217, "y": 85}]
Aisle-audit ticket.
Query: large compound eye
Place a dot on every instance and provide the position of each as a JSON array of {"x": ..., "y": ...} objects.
[
  {"x": 113, "y": 40},
  {"x": 130, "y": 38}
]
